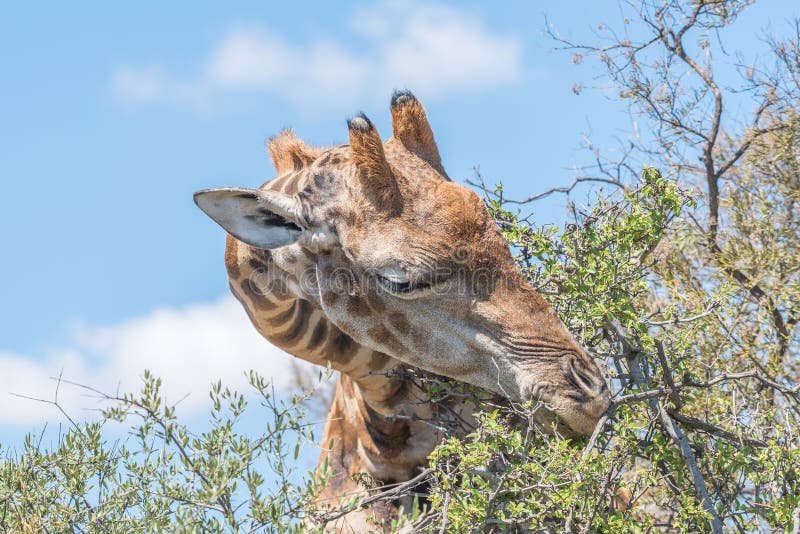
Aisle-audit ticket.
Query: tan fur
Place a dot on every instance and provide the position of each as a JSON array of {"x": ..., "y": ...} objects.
[{"x": 289, "y": 153}]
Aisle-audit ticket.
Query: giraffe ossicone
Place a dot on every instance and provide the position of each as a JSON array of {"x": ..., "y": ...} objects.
[{"x": 369, "y": 258}]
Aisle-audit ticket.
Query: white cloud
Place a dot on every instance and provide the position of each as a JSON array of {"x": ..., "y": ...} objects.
[
  {"x": 189, "y": 348},
  {"x": 433, "y": 49},
  {"x": 247, "y": 59},
  {"x": 139, "y": 84},
  {"x": 437, "y": 49}
]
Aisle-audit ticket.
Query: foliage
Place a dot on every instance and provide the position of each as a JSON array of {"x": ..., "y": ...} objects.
[{"x": 163, "y": 477}]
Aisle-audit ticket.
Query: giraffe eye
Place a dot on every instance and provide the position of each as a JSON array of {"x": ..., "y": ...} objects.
[
  {"x": 397, "y": 281},
  {"x": 395, "y": 287}
]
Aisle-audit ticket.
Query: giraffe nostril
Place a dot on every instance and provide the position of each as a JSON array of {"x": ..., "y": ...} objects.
[{"x": 587, "y": 382}]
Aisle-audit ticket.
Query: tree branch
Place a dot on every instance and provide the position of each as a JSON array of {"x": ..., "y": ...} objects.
[{"x": 675, "y": 433}]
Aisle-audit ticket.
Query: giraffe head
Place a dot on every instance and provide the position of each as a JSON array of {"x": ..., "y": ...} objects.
[{"x": 410, "y": 263}]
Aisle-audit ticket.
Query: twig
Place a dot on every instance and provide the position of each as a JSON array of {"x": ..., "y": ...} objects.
[
  {"x": 598, "y": 429},
  {"x": 714, "y": 429},
  {"x": 53, "y": 402},
  {"x": 445, "y": 506},
  {"x": 725, "y": 377},
  {"x": 667, "y": 374},
  {"x": 678, "y": 320},
  {"x": 390, "y": 493},
  {"x": 564, "y": 189}
]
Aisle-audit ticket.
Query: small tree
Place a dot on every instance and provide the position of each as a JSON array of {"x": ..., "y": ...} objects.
[{"x": 164, "y": 477}]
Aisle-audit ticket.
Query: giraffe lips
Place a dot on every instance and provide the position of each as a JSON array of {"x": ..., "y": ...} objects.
[
  {"x": 570, "y": 419},
  {"x": 585, "y": 417},
  {"x": 551, "y": 423}
]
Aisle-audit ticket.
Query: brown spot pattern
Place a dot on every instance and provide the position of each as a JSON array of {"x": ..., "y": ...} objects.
[{"x": 399, "y": 322}]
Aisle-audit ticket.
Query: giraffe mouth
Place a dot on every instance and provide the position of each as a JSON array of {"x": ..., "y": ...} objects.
[
  {"x": 568, "y": 418},
  {"x": 548, "y": 420}
]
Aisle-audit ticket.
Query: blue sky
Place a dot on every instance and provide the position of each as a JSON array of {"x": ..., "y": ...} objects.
[{"x": 112, "y": 115}]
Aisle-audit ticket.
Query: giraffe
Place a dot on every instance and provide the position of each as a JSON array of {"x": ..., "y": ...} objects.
[{"x": 367, "y": 257}]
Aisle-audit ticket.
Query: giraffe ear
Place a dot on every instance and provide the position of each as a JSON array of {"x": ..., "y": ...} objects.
[
  {"x": 410, "y": 126},
  {"x": 263, "y": 219},
  {"x": 289, "y": 153},
  {"x": 376, "y": 176}
]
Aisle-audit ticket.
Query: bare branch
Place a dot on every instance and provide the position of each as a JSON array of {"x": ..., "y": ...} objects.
[{"x": 394, "y": 491}]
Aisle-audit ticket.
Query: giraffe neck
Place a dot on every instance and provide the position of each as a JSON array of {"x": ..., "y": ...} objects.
[{"x": 388, "y": 440}]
